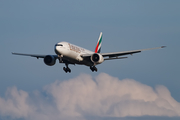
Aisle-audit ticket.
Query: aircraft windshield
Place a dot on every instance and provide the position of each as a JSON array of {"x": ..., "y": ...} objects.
[{"x": 59, "y": 45}]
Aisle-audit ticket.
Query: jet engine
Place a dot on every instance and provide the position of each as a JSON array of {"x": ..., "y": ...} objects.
[
  {"x": 97, "y": 58},
  {"x": 49, "y": 60}
]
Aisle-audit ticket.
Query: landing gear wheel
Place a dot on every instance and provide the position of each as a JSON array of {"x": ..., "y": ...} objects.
[
  {"x": 67, "y": 69},
  {"x": 93, "y": 68}
]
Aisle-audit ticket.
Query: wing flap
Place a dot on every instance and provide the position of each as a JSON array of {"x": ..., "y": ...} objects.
[
  {"x": 115, "y": 54},
  {"x": 112, "y": 58}
]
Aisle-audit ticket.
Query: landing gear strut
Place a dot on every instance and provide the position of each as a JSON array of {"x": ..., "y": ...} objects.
[
  {"x": 60, "y": 58},
  {"x": 67, "y": 69},
  {"x": 93, "y": 68}
]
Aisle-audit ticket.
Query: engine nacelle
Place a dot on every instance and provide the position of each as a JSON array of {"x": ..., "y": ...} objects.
[
  {"x": 97, "y": 58},
  {"x": 49, "y": 60}
]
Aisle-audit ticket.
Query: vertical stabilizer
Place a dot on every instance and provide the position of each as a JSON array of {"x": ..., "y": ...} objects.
[{"x": 98, "y": 46}]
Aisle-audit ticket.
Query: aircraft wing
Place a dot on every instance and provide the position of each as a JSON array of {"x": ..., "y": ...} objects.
[
  {"x": 33, "y": 55},
  {"x": 43, "y": 56},
  {"x": 116, "y": 54}
]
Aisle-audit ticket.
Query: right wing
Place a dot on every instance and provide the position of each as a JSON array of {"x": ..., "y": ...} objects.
[
  {"x": 43, "y": 56},
  {"x": 33, "y": 55}
]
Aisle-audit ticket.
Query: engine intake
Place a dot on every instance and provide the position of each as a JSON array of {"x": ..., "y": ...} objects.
[
  {"x": 49, "y": 60},
  {"x": 97, "y": 58}
]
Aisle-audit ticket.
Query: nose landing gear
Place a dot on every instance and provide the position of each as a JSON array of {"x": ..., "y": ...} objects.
[
  {"x": 93, "y": 68},
  {"x": 67, "y": 69}
]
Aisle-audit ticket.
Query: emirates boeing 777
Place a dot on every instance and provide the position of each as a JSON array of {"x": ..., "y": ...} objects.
[{"x": 68, "y": 53}]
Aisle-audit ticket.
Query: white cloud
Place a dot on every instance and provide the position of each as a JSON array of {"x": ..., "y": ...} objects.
[
  {"x": 15, "y": 104},
  {"x": 104, "y": 96}
]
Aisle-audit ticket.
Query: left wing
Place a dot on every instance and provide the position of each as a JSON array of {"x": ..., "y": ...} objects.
[{"x": 116, "y": 54}]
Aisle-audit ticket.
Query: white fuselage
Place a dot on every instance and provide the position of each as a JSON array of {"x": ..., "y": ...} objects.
[{"x": 72, "y": 52}]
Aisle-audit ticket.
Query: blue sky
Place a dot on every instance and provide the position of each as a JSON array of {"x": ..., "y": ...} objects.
[{"x": 36, "y": 26}]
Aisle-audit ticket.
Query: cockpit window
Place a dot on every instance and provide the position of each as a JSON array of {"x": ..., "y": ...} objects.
[{"x": 59, "y": 45}]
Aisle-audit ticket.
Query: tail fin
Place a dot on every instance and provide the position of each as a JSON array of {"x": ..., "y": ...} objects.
[{"x": 98, "y": 46}]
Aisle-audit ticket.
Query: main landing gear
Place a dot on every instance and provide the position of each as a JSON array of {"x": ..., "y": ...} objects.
[
  {"x": 93, "y": 68},
  {"x": 67, "y": 69}
]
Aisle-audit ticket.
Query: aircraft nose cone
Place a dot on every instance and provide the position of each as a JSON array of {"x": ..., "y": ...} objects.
[{"x": 55, "y": 49}]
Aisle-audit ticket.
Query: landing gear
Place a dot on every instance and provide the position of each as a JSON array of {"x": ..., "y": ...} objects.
[
  {"x": 67, "y": 69},
  {"x": 60, "y": 58},
  {"x": 93, "y": 68}
]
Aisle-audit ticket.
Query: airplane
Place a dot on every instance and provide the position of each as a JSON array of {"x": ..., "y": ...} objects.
[{"x": 68, "y": 53}]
